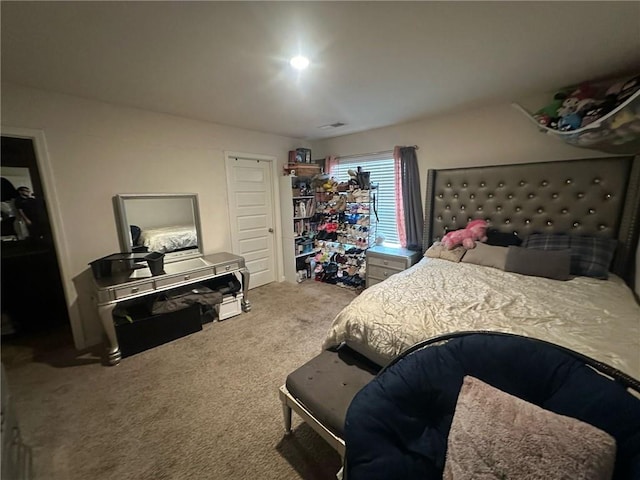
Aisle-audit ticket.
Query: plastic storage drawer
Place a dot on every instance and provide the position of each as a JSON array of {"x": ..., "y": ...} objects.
[{"x": 230, "y": 306}]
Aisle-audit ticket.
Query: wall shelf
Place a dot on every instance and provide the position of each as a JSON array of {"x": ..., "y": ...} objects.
[
  {"x": 303, "y": 169},
  {"x": 297, "y": 230}
]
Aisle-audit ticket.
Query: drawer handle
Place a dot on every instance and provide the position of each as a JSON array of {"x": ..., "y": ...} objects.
[
  {"x": 227, "y": 267},
  {"x": 385, "y": 262},
  {"x": 135, "y": 290},
  {"x": 187, "y": 277},
  {"x": 384, "y": 273}
]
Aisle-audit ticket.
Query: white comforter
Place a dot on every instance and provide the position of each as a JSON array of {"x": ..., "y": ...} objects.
[
  {"x": 597, "y": 318},
  {"x": 168, "y": 239}
]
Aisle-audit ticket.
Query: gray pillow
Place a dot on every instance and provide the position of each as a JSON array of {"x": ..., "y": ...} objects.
[
  {"x": 590, "y": 256},
  {"x": 438, "y": 250},
  {"x": 555, "y": 264},
  {"x": 495, "y": 435},
  {"x": 487, "y": 255}
]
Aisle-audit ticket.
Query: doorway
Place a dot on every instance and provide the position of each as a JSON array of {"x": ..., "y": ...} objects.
[
  {"x": 251, "y": 213},
  {"x": 33, "y": 301}
]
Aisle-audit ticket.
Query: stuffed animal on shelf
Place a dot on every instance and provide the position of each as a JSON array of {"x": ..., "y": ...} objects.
[{"x": 476, "y": 230}]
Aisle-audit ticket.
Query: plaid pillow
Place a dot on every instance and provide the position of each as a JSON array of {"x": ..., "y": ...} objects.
[
  {"x": 547, "y": 241},
  {"x": 590, "y": 256}
]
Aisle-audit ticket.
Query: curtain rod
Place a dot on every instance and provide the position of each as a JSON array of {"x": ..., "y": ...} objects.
[{"x": 358, "y": 155}]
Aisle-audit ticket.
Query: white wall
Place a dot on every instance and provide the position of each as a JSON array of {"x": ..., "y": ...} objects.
[
  {"x": 97, "y": 150},
  {"x": 490, "y": 135},
  {"x": 482, "y": 136}
]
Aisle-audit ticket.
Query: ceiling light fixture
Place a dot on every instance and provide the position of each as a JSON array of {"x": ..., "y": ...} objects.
[{"x": 299, "y": 62}]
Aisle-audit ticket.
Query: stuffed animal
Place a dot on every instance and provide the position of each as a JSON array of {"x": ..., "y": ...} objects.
[
  {"x": 598, "y": 110},
  {"x": 353, "y": 178},
  {"x": 330, "y": 185},
  {"x": 570, "y": 122},
  {"x": 319, "y": 180},
  {"x": 574, "y": 107},
  {"x": 549, "y": 112},
  {"x": 626, "y": 127},
  {"x": 630, "y": 87},
  {"x": 475, "y": 230},
  {"x": 569, "y": 106}
]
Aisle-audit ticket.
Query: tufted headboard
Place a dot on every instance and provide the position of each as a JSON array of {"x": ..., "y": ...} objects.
[{"x": 599, "y": 196}]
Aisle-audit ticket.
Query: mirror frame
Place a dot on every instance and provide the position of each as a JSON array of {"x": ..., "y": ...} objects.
[{"x": 124, "y": 230}]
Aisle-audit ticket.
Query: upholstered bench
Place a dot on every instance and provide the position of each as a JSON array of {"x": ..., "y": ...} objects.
[{"x": 321, "y": 390}]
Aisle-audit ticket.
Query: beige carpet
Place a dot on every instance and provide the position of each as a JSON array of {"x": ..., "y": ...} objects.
[{"x": 201, "y": 407}]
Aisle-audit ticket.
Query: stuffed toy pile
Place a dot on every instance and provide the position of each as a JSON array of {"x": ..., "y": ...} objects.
[
  {"x": 577, "y": 107},
  {"x": 476, "y": 230}
]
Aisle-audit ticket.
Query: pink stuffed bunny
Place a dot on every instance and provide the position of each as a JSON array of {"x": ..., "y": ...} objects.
[{"x": 475, "y": 230}]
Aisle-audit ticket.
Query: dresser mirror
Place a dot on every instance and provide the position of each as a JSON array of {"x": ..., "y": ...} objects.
[{"x": 167, "y": 223}]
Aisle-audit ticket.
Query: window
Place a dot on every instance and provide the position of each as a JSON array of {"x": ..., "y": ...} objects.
[{"x": 382, "y": 173}]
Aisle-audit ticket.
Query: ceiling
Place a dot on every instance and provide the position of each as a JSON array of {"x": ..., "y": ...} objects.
[{"x": 373, "y": 64}]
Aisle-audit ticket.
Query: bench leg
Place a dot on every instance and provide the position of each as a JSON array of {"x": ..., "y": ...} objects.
[{"x": 286, "y": 410}]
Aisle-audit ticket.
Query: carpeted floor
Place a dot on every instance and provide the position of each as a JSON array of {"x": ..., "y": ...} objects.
[{"x": 201, "y": 407}]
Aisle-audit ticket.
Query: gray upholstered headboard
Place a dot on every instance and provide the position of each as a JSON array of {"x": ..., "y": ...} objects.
[{"x": 598, "y": 196}]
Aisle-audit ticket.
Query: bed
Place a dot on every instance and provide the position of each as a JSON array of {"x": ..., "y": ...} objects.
[
  {"x": 595, "y": 199},
  {"x": 588, "y": 198},
  {"x": 168, "y": 239}
]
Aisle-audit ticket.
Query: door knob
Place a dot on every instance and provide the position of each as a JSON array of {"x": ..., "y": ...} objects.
[{"x": 271, "y": 230}]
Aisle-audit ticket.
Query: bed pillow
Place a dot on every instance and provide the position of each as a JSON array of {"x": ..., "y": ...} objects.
[
  {"x": 502, "y": 239},
  {"x": 554, "y": 264},
  {"x": 487, "y": 255},
  {"x": 495, "y": 435},
  {"x": 547, "y": 241},
  {"x": 438, "y": 250},
  {"x": 590, "y": 256}
]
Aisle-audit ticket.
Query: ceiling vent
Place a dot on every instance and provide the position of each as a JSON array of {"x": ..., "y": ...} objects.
[{"x": 332, "y": 125}]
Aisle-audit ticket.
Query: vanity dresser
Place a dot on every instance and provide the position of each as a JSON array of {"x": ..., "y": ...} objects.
[{"x": 139, "y": 283}]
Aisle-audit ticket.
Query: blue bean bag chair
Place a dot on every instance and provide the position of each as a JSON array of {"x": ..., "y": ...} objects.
[{"x": 397, "y": 426}]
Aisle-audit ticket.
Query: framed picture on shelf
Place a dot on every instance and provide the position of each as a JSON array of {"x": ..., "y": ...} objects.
[{"x": 303, "y": 155}]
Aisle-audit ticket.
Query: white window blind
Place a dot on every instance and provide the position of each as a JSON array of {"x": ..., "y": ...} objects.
[{"x": 381, "y": 170}]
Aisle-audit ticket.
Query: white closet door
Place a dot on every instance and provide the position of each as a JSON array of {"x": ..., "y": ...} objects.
[{"x": 251, "y": 213}]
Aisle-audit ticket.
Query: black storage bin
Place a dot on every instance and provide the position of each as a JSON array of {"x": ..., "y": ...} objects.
[
  {"x": 149, "y": 331},
  {"x": 225, "y": 284}
]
